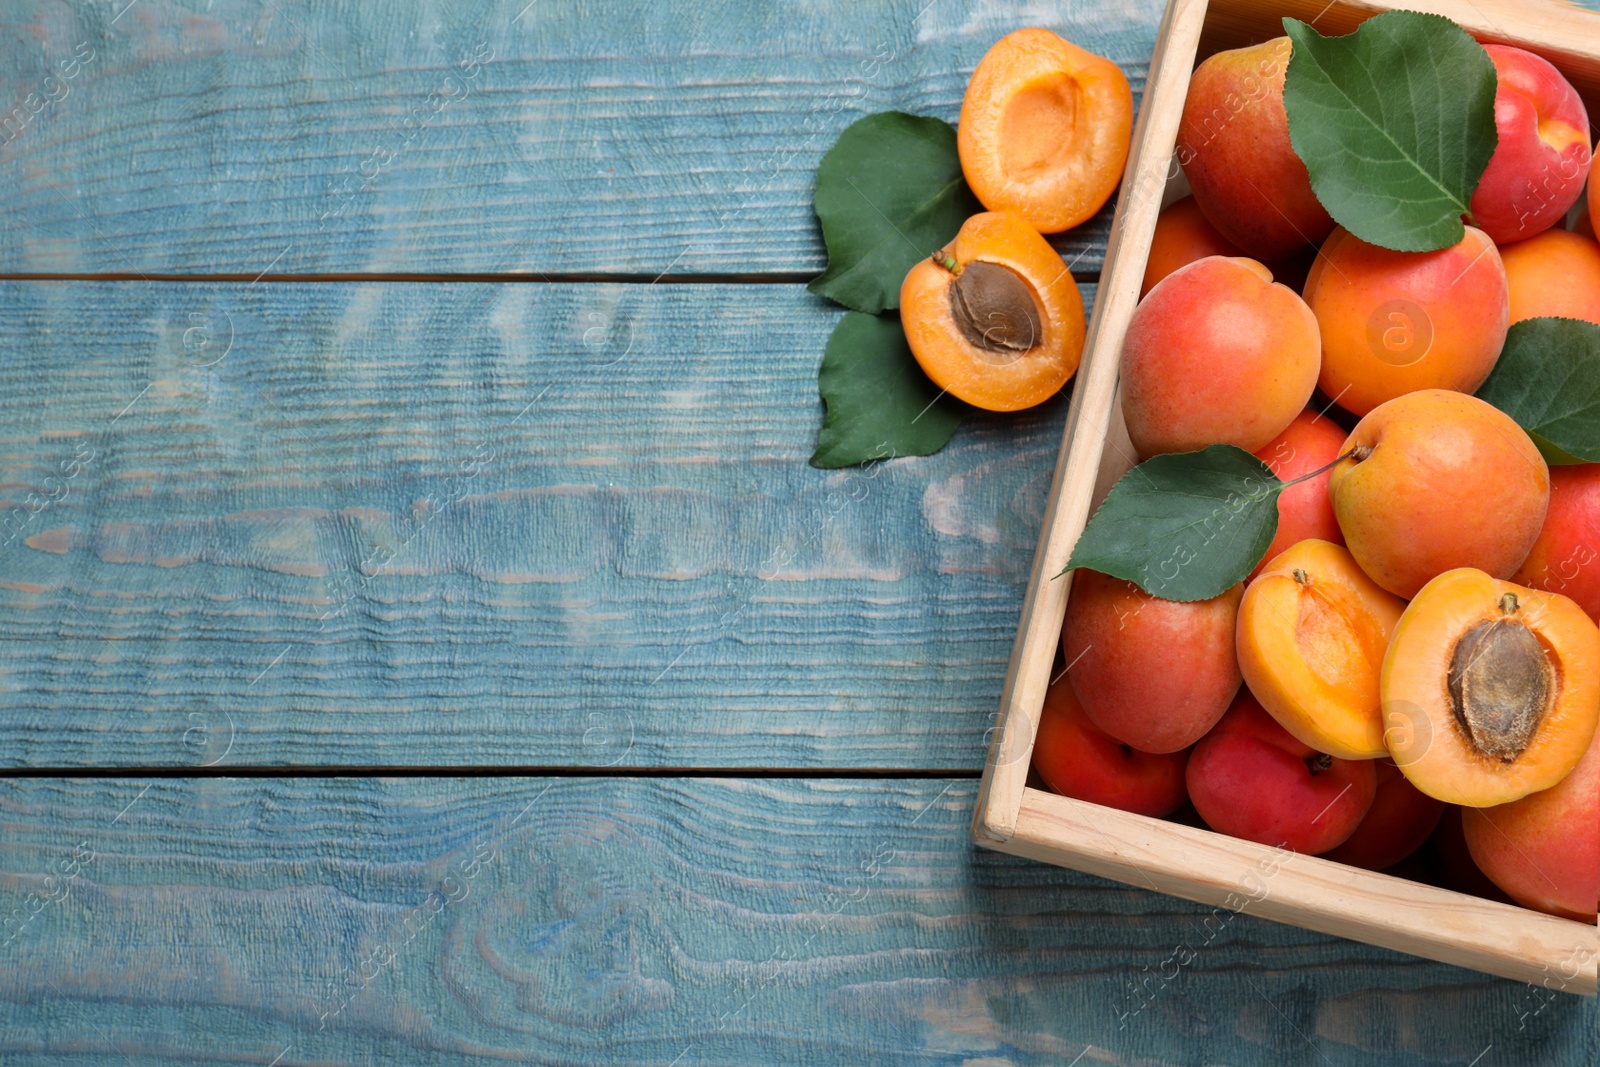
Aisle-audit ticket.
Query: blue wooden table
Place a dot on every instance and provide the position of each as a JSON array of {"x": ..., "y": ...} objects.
[{"x": 422, "y": 639}]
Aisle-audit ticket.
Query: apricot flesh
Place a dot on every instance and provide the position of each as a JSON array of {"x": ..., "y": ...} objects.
[
  {"x": 1233, "y": 145},
  {"x": 1544, "y": 850},
  {"x": 1251, "y": 779},
  {"x": 1078, "y": 759},
  {"x": 1392, "y": 323},
  {"x": 1565, "y": 557},
  {"x": 1311, "y": 442},
  {"x": 1437, "y": 480},
  {"x": 1154, "y": 674},
  {"x": 1490, "y": 690},
  {"x": 995, "y": 318},
  {"x": 1554, "y": 274},
  {"x": 1045, "y": 129},
  {"x": 1312, "y": 633},
  {"x": 1216, "y": 353}
]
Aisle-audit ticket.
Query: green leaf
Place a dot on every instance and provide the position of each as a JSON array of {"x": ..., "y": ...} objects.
[
  {"x": 880, "y": 404},
  {"x": 1548, "y": 380},
  {"x": 1395, "y": 123},
  {"x": 889, "y": 192},
  {"x": 1185, "y": 526}
]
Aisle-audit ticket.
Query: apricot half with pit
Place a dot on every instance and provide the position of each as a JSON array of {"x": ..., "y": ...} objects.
[
  {"x": 995, "y": 318},
  {"x": 1490, "y": 690}
]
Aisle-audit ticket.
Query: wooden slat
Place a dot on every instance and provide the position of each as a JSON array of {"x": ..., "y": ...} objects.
[
  {"x": 652, "y": 922},
  {"x": 248, "y": 135},
  {"x": 626, "y": 561}
]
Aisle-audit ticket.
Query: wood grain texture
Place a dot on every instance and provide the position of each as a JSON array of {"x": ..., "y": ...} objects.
[
  {"x": 655, "y": 922},
  {"x": 500, "y": 136},
  {"x": 502, "y": 524}
]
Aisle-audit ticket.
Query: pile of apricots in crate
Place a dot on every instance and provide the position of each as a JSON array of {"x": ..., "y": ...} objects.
[{"x": 1409, "y": 680}]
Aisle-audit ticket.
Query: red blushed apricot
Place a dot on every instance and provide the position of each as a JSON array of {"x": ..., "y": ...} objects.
[
  {"x": 1436, "y": 480},
  {"x": 1154, "y": 674},
  {"x": 996, "y": 318},
  {"x": 1491, "y": 691},
  {"x": 1544, "y": 849},
  {"x": 1305, "y": 511},
  {"x": 1542, "y": 157},
  {"x": 1401, "y": 819},
  {"x": 1233, "y": 145},
  {"x": 1183, "y": 235},
  {"x": 1078, "y": 759},
  {"x": 1044, "y": 129},
  {"x": 1312, "y": 633},
  {"x": 1250, "y": 779},
  {"x": 1216, "y": 353},
  {"x": 1566, "y": 557},
  {"x": 1396, "y": 322},
  {"x": 1554, "y": 274}
]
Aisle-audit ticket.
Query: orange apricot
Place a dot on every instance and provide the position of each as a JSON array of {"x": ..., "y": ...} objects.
[
  {"x": 1435, "y": 480},
  {"x": 1556, "y": 273},
  {"x": 1045, "y": 128},
  {"x": 1217, "y": 353},
  {"x": 1396, "y": 322},
  {"x": 995, "y": 318},
  {"x": 1311, "y": 637},
  {"x": 1311, "y": 442},
  {"x": 1490, "y": 690},
  {"x": 1183, "y": 235}
]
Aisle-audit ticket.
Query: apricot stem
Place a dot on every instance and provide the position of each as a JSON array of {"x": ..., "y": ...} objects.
[
  {"x": 946, "y": 260},
  {"x": 1301, "y": 576},
  {"x": 1319, "y": 763},
  {"x": 1508, "y": 604},
  {"x": 1352, "y": 454}
]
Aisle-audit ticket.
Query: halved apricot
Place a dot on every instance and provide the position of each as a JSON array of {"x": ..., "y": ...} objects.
[
  {"x": 1312, "y": 632},
  {"x": 1045, "y": 128},
  {"x": 1491, "y": 691},
  {"x": 995, "y": 318}
]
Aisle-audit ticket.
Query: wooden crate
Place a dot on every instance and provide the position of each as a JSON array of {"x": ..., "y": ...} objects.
[{"x": 1196, "y": 864}]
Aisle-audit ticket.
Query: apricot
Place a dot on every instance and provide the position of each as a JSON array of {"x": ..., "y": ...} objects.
[
  {"x": 1491, "y": 691},
  {"x": 1566, "y": 555},
  {"x": 1544, "y": 850},
  {"x": 1401, "y": 819},
  {"x": 1594, "y": 200},
  {"x": 1249, "y": 778},
  {"x": 1438, "y": 480},
  {"x": 1233, "y": 145},
  {"x": 1183, "y": 234},
  {"x": 1395, "y": 322},
  {"x": 1556, "y": 273},
  {"x": 1078, "y": 759},
  {"x": 1312, "y": 633},
  {"x": 1154, "y": 674},
  {"x": 1542, "y": 157},
  {"x": 1216, "y": 353},
  {"x": 1454, "y": 867},
  {"x": 1045, "y": 129},
  {"x": 996, "y": 318},
  {"x": 1311, "y": 442}
]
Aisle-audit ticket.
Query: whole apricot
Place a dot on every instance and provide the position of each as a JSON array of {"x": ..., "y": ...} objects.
[
  {"x": 1305, "y": 511},
  {"x": 1249, "y": 778},
  {"x": 1491, "y": 691},
  {"x": 1312, "y": 633},
  {"x": 1544, "y": 850},
  {"x": 1154, "y": 674},
  {"x": 1216, "y": 353},
  {"x": 995, "y": 319},
  {"x": 1233, "y": 145},
  {"x": 1045, "y": 129},
  {"x": 1183, "y": 234},
  {"x": 1554, "y": 274},
  {"x": 1400, "y": 821},
  {"x": 1542, "y": 156},
  {"x": 1565, "y": 558},
  {"x": 1437, "y": 480},
  {"x": 1078, "y": 759},
  {"x": 1396, "y": 322}
]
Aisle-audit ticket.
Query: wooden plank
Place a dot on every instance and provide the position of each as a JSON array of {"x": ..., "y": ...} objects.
[
  {"x": 497, "y": 136},
  {"x": 482, "y": 524},
  {"x": 659, "y": 921}
]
